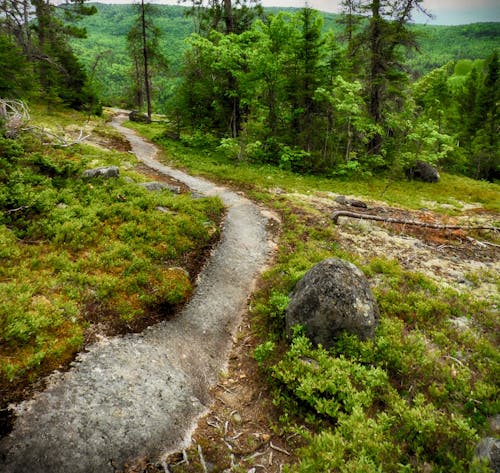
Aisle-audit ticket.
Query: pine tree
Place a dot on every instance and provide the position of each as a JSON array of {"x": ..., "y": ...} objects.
[
  {"x": 143, "y": 45},
  {"x": 42, "y": 31},
  {"x": 381, "y": 42}
]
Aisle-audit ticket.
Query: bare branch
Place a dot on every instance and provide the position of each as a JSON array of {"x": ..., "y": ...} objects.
[
  {"x": 18, "y": 209},
  {"x": 60, "y": 140},
  {"x": 15, "y": 115},
  {"x": 345, "y": 213}
]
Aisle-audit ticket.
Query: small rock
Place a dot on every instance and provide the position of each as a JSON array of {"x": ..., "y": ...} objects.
[
  {"x": 489, "y": 448},
  {"x": 158, "y": 186},
  {"x": 237, "y": 418},
  {"x": 358, "y": 203},
  {"x": 107, "y": 172},
  {"x": 341, "y": 199},
  {"x": 153, "y": 186},
  {"x": 163, "y": 209}
]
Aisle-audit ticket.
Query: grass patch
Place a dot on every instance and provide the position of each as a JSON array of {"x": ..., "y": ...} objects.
[
  {"x": 451, "y": 190},
  {"x": 75, "y": 253}
]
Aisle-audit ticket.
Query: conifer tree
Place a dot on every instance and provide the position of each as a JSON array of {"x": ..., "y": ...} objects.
[
  {"x": 383, "y": 37},
  {"x": 144, "y": 49}
]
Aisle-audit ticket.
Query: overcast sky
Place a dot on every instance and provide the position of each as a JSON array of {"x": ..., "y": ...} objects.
[{"x": 446, "y": 12}]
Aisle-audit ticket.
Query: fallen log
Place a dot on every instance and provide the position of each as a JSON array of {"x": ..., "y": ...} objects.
[{"x": 345, "y": 213}]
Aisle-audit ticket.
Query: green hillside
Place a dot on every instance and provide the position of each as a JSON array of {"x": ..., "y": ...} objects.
[{"x": 104, "y": 50}]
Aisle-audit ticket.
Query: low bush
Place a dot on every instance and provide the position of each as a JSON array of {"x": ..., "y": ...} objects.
[{"x": 77, "y": 253}]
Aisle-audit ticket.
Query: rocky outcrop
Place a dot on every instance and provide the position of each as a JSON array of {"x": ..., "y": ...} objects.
[
  {"x": 333, "y": 297},
  {"x": 107, "y": 172},
  {"x": 422, "y": 171}
]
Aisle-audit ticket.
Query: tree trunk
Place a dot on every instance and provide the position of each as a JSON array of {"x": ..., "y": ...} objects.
[
  {"x": 376, "y": 73},
  {"x": 145, "y": 55},
  {"x": 228, "y": 16}
]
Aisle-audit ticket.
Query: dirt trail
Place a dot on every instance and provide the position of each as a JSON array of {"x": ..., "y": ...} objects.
[{"x": 141, "y": 395}]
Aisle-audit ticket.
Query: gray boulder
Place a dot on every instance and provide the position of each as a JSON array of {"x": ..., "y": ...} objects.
[
  {"x": 489, "y": 449},
  {"x": 136, "y": 116},
  {"x": 107, "y": 172},
  {"x": 422, "y": 171},
  {"x": 333, "y": 297}
]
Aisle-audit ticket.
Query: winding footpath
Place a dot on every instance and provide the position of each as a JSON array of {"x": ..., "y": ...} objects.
[{"x": 141, "y": 395}]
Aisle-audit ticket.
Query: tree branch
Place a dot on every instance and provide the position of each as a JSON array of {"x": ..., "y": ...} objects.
[{"x": 345, "y": 213}]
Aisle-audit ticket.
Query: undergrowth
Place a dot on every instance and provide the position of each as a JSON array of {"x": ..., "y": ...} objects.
[
  {"x": 76, "y": 253},
  {"x": 450, "y": 194},
  {"x": 417, "y": 397}
]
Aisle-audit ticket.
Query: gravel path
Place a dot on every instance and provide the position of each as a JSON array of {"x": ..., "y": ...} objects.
[{"x": 141, "y": 394}]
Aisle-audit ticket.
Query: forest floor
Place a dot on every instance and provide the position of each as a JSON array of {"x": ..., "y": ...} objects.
[{"x": 242, "y": 429}]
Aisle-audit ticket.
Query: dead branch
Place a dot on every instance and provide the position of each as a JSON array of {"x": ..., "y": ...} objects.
[
  {"x": 482, "y": 243},
  {"x": 202, "y": 459},
  {"x": 278, "y": 449},
  {"x": 345, "y": 213},
  {"x": 60, "y": 140},
  {"x": 18, "y": 209},
  {"x": 15, "y": 115}
]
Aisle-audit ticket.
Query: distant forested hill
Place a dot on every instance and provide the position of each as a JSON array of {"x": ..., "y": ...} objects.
[{"x": 104, "y": 51}]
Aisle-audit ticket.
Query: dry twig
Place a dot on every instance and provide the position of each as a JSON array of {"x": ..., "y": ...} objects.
[
  {"x": 15, "y": 115},
  {"x": 278, "y": 449},
  {"x": 202, "y": 459}
]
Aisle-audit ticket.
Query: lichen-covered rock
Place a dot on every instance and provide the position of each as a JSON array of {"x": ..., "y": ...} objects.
[
  {"x": 489, "y": 448},
  {"x": 107, "y": 172},
  {"x": 333, "y": 297},
  {"x": 422, "y": 171},
  {"x": 158, "y": 186}
]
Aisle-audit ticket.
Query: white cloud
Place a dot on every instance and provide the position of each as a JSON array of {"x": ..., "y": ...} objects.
[{"x": 444, "y": 11}]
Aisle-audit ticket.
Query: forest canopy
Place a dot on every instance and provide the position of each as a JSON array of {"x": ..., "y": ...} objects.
[
  {"x": 362, "y": 92},
  {"x": 295, "y": 88}
]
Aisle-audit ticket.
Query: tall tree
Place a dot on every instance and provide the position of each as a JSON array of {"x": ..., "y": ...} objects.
[
  {"x": 305, "y": 76},
  {"x": 143, "y": 41},
  {"x": 225, "y": 16},
  {"x": 383, "y": 37},
  {"x": 42, "y": 31}
]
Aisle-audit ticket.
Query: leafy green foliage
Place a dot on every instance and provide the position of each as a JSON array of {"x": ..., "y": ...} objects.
[{"x": 293, "y": 92}]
